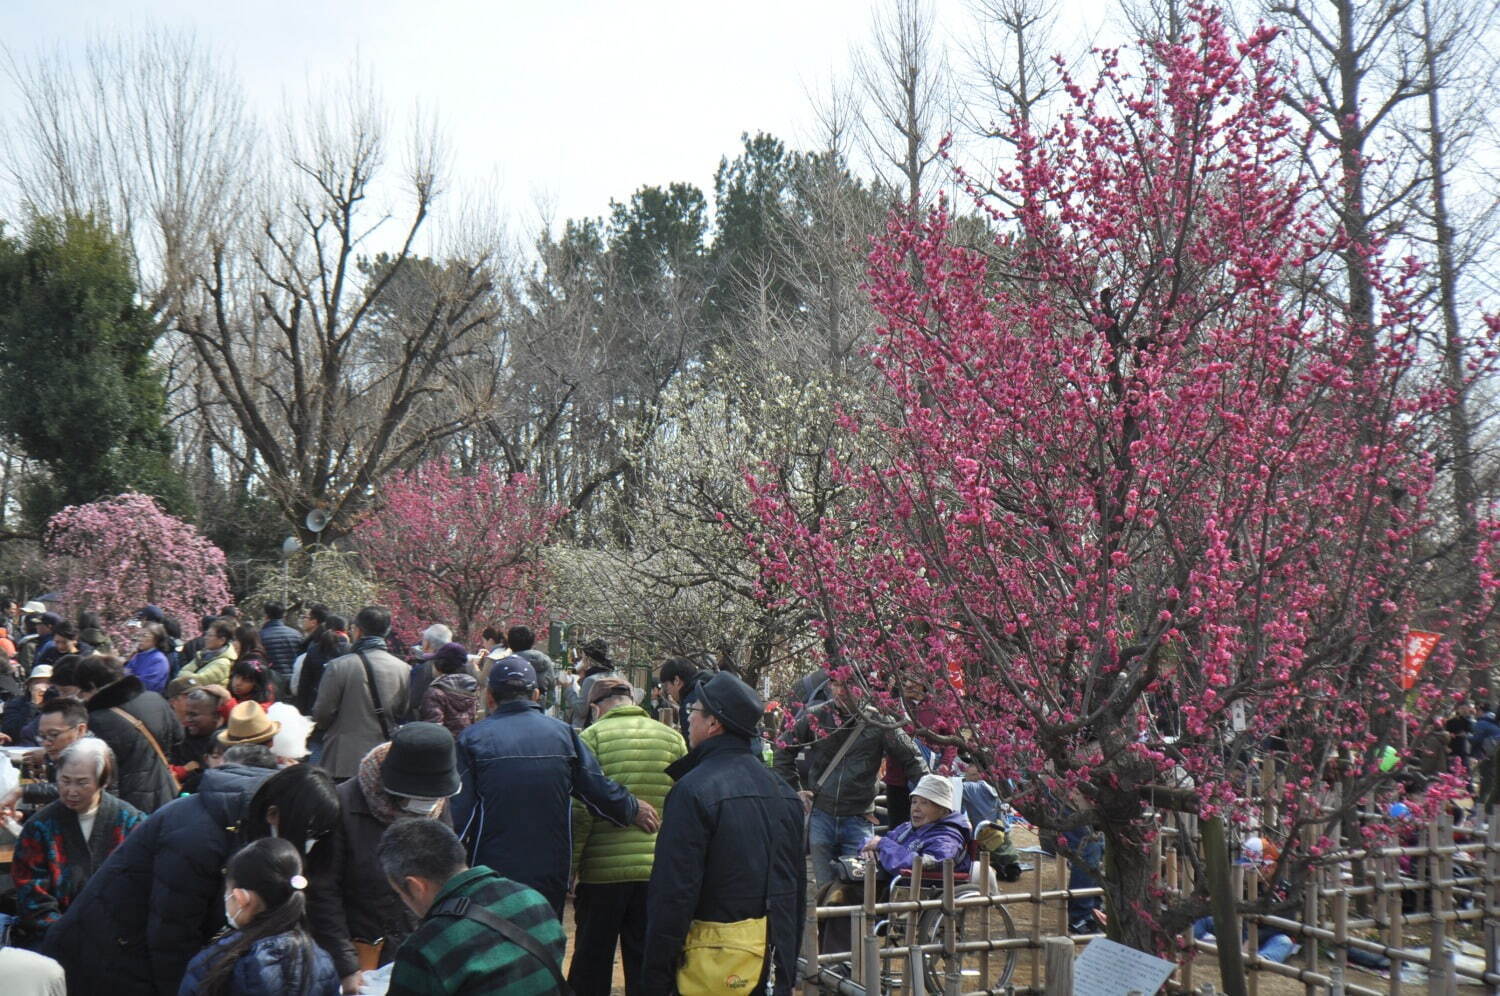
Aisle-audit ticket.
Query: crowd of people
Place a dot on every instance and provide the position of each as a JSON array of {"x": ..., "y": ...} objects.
[{"x": 317, "y": 808}]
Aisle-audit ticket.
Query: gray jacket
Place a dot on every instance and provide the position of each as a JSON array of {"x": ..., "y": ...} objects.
[
  {"x": 345, "y": 712},
  {"x": 849, "y": 789}
]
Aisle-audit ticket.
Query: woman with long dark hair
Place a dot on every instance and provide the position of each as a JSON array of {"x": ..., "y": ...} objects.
[{"x": 267, "y": 950}]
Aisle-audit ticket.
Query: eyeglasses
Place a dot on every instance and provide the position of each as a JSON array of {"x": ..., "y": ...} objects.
[{"x": 47, "y": 736}]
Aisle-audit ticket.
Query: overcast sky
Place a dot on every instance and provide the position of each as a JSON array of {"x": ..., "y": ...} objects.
[
  {"x": 566, "y": 103},
  {"x": 569, "y": 101}
]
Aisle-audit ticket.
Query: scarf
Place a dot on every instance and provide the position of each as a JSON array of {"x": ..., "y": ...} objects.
[
  {"x": 368, "y": 643},
  {"x": 384, "y": 807}
]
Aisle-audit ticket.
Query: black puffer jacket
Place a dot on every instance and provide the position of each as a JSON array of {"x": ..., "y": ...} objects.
[
  {"x": 144, "y": 781},
  {"x": 159, "y": 897},
  {"x": 730, "y": 848}
]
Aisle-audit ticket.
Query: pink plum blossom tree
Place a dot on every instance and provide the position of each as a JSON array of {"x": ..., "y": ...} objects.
[
  {"x": 461, "y": 548},
  {"x": 1146, "y": 488},
  {"x": 118, "y": 554}
]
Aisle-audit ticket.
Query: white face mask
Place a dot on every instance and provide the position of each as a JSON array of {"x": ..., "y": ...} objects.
[
  {"x": 307, "y": 843},
  {"x": 228, "y": 916},
  {"x": 421, "y": 807}
]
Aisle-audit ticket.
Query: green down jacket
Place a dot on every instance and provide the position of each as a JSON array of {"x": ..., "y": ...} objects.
[{"x": 634, "y": 750}]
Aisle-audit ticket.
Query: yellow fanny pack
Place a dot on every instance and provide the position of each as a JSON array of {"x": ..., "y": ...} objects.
[{"x": 723, "y": 957}]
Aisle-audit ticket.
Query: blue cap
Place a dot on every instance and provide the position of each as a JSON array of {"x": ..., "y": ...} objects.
[{"x": 513, "y": 670}]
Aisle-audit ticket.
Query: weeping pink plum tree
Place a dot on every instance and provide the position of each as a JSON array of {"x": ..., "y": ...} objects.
[
  {"x": 1145, "y": 486},
  {"x": 462, "y": 549},
  {"x": 115, "y": 555}
]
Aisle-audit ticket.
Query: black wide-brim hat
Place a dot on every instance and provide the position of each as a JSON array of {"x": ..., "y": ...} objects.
[
  {"x": 421, "y": 762},
  {"x": 731, "y": 702}
]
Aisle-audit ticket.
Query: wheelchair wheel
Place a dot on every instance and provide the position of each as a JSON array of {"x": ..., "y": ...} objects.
[{"x": 974, "y": 973}]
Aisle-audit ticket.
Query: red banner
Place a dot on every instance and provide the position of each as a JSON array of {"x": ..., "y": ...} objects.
[
  {"x": 956, "y": 676},
  {"x": 1419, "y": 644}
]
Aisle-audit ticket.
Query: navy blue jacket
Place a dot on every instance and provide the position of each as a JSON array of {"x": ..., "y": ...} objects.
[
  {"x": 282, "y": 644},
  {"x": 1485, "y": 728},
  {"x": 274, "y": 966},
  {"x": 159, "y": 898},
  {"x": 520, "y": 767}
]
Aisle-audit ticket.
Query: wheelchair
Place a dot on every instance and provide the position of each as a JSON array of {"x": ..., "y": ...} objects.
[{"x": 975, "y": 971}]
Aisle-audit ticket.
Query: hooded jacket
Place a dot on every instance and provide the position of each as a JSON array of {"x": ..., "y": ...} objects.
[
  {"x": 452, "y": 700},
  {"x": 546, "y": 671},
  {"x": 159, "y": 897},
  {"x": 936, "y": 841},
  {"x": 212, "y": 666},
  {"x": 144, "y": 781},
  {"x": 730, "y": 848}
]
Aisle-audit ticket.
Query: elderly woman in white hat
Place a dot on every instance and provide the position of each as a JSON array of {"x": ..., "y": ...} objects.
[{"x": 938, "y": 830}]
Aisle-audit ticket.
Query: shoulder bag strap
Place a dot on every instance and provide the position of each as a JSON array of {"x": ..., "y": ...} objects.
[
  {"x": 461, "y": 906},
  {"x": 385, "y": 730},
  {"x": 143, "y": 731},
  {"x": 854, "y": 731}
]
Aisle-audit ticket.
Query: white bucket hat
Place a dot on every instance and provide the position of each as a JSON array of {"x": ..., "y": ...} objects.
[{"x": 940, "y": 790}]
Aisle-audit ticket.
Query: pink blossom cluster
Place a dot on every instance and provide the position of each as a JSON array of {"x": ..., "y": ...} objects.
[
  {"x": 119, "y": 554},
  {"x": 459, "y": 548},
  {"x": 1154, "y": 500}
]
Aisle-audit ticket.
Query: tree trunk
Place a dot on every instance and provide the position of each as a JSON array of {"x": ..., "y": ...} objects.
[
  {"x": 1127, "y": 877},
  {"x": 1465, "y": 489}
]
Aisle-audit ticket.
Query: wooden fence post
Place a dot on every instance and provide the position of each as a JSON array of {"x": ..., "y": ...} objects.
[
  {"x": 870, "y": 946},
  {"x": 810, "y": 986},
  {"x": 1059, "y": 979},
  {"x": 991, "y": 886},
  {"x": 1311, "y": 907},
  {"x": 1398, "y": 925},
  {"x": 1491, "y": 891},
  {"x": 951, "y": 975},
  {"x": 1340, "y": 934},
  {"x": 1252, "y": 946},
  {"x": 916, "y": 981},
  {"x": 1437, "y": 977}
]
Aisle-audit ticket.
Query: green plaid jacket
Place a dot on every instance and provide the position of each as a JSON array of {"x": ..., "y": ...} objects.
[{"x": 448, "y": 955}]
